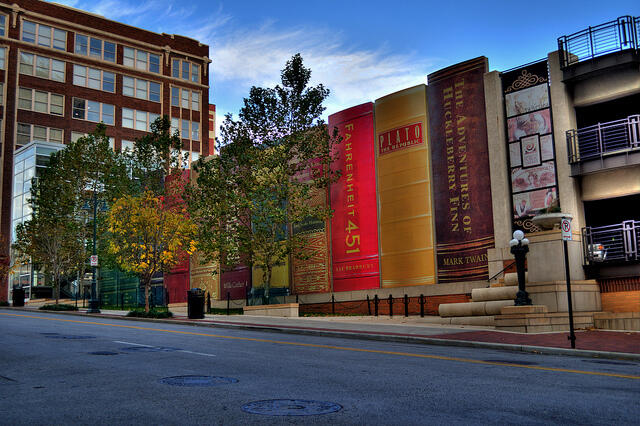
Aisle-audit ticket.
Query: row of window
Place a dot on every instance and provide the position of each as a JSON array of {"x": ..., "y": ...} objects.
[
  {"x": 84, "y": 109},
  {"x": 94, "y": 47},
  {"x": 28, "y": 132},
  {"x": 94, "y": 78}
]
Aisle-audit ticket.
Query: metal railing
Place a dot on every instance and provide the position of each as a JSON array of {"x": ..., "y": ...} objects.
[
  {"x": 621, "y": 34},
  {"x": 611, "y": 243},
  {"x": 603, "y": 138}
]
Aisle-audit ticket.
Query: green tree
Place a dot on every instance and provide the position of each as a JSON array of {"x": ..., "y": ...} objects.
[
  {"x": 148, "y": 236},
  {"x": 271, "y": 161}
]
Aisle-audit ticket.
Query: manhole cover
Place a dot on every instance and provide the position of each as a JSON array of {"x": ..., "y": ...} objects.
[
  {"x": 69, "y": 336},
  {"x": 511, "y": 361},
  {"x": 601, "y": 361},
  {"x": 149, "y": 349},
  {"x": 197, "y": 381},
  {"x": 103, "y": 353},
  {"x": 291, "y": 407}
]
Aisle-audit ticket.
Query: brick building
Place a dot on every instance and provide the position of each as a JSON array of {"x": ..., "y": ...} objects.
[{"x": 63, "y": 70}]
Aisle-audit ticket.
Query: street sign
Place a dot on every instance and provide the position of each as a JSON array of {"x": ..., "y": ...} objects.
[
  {"x": 94, "y": 260},
  {"x": 565, "y": 225}
]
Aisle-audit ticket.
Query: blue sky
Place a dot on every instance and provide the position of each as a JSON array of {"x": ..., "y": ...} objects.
[{"x": 360, "y": 50}]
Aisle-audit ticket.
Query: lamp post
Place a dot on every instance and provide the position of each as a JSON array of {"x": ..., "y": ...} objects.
[
  {"x": 94, "y": 303},
  {"x": 519, "y": 248}
]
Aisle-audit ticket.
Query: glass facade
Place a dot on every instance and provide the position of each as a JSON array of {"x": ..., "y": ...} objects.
[{"x": 28, "y": 164}]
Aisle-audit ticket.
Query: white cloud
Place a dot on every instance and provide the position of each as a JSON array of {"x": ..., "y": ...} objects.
[{"x": 255, "y": 57}]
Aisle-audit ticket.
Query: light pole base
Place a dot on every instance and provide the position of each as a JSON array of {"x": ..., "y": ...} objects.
[
  {"x": 94, "y": 307},
  {"x": 522, "y": 298}
]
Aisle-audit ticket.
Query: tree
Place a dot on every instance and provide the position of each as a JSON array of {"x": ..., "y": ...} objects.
[
  {"x": 147, "y": 236},
  {"x": 156, "y": 161},
  {"x": 56, "y": 236},
  {"x": 271, "y": 161}
]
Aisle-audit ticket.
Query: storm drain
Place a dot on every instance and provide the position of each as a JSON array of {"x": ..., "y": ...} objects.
[
  {"x": 511, "y": 361},
  {"x": 149, "y": 349},
  {"x": 69, "y": 336},
  {"x": 197, "y": 381},
  {"x": 291, "y": 407},
  {"x": 601, "y": 361},
  {"x": 103, "y": 353}
]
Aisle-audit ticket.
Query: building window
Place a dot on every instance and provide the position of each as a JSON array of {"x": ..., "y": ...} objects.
[
  {"x": 3, "y": 25},
  {"x": 94, "y": 78},
  {"x": 139, "y": 120},
  {"x": 95, "y": 47},
  {"x": 41, "y": 66},
  {"x": 40, "y": 101},
  {"x": 1, "y": 98},
  {"x": 84, "y": 109},
  {"x": 187, "y": 129},
  {"x": 126, "y": 145},
  {"x": 185, "y": 98},
  {"x": 141, "y": 60},
  {"x": 185, "y": 70},
  {"x": 77, "y": 135},
  {"x": 44, "y": 35},
  {"x": 3, "y": 57},
  {"x": 141, "y": 89},
  {"x": 26, "y": 133}
]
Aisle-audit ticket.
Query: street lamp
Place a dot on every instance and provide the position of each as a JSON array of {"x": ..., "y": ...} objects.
[
  {"x": 94, "y": 303},
  {"x": 519, "y": 248}
]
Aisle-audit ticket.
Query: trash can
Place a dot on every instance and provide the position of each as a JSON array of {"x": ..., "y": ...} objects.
[
  {"x": 18, "y": 297},
  {"x": 195, "y": 303}
]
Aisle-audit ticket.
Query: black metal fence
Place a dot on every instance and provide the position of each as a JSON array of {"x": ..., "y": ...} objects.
[
  {"x": 613, "y": 36},
  {"x": 603, "y": 138},
  {"x": 611, "y": 243}
]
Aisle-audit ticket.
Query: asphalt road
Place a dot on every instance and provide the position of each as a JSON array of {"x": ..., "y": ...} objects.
[{"x": 57, "y": 369}]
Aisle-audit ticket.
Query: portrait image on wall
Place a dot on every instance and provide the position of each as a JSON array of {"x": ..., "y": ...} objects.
[
  {"x": 534, "y": 202},
  {"x": 542, "y": 176},
  {"x": 527, "y": 100},
  {"x": 529, "y": 124}
]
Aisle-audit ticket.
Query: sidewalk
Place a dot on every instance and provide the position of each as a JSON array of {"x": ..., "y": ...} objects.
[{"x": 427, "y": 330}]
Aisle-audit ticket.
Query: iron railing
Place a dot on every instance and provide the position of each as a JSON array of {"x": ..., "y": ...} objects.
[
  {"x": 613, "y": 36},
  {"x": 611, "y": 243},
  {"x": 603, "y": 138}
]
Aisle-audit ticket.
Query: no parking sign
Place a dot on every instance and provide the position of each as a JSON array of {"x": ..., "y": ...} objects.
[{"x": 565, "y": 225}]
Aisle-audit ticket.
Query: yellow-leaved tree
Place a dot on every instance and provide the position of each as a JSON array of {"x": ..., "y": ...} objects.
[{"x": 148, "y": 236}]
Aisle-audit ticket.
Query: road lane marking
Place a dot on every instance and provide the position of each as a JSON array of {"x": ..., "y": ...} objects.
[
  {"x": 149, "y": 346},
  {"x": 133, "y": 344},
  {"x": 195, "y": 353},
  {"x": 340, "y": 348}
]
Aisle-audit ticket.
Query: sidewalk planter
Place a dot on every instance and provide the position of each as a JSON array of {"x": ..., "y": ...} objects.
[{"x": 280, "y": 310}]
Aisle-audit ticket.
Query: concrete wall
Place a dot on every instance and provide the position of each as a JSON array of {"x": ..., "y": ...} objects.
[
  {"x": 498, "y": 168},
  {"x": 546, "y": 256},
  {"x": 606, "y": 87},
  {"x": 564, "y": 118},
  {"x": 611, "y": 183}
]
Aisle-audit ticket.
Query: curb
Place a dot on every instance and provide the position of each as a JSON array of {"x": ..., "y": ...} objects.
[{"x": 365, "y": 335}]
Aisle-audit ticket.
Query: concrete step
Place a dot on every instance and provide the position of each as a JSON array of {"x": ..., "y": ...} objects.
[
  {"x": 469, "y": 309},
  {"x": 628, "y": 321}
]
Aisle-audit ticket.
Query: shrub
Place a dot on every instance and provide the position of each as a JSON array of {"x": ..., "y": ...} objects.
[
  {"x": 153, "y": 313},
  {"x": 58, "y": 307},
  {"x": 4, "y": 303}
]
